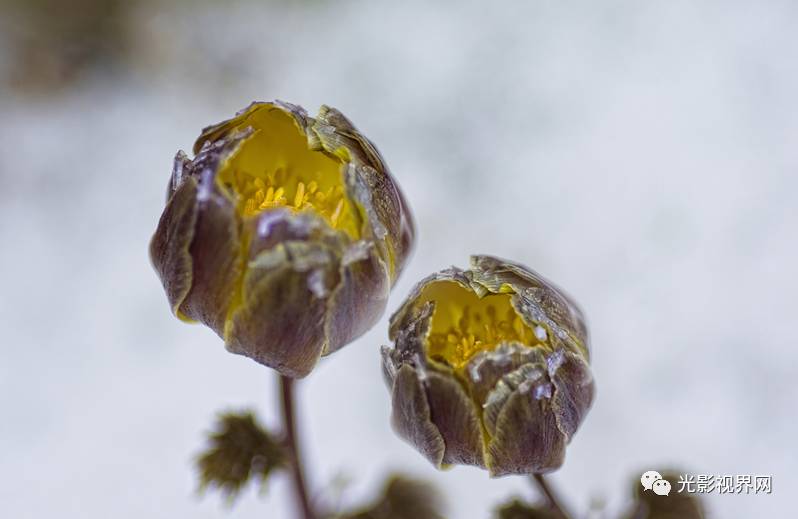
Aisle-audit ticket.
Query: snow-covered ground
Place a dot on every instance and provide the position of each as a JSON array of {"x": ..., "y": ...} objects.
[{"x": 642, "y": 155}]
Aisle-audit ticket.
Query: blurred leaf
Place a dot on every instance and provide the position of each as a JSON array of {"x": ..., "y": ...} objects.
[
  {"x": 402, "y": 498},
  {"x": 516, "y": 509},
  {"x": 240, "y": 450},
  {"x": 675, "y": 505}
]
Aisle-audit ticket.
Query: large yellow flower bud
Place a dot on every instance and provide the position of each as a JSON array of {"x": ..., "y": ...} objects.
[{"x": 284, "y": 234}]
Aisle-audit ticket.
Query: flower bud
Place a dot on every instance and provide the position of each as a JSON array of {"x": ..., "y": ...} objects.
[
  {"x": 284, "y": 234},
  {"x": 489, "y": 368}
]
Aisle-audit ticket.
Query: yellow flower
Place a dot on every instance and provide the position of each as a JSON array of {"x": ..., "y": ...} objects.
[
  {"x": 284, "y": 234},
  {"x": 489, "y": 368}
]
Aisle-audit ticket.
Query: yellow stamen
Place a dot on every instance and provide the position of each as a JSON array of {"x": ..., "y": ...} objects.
[
  {"x": 300, "y": 195},
  {"x": 337, "y": 213},
  {"x": 464, "y": 324}
]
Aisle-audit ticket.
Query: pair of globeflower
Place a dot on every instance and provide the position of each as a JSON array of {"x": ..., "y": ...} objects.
[{"x": 285, "y": 234}]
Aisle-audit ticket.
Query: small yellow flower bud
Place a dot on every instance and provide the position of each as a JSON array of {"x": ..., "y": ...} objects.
[{"x": 489, "y": 368}]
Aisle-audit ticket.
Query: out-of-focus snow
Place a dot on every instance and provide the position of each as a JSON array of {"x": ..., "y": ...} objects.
[{"x": 642, "y": 155}]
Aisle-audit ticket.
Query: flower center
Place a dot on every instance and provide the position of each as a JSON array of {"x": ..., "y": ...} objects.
[
  {"x": 464, "y": 324},
  {"x": 274, "y": 167},
  {"x": 279, "y": 189}
]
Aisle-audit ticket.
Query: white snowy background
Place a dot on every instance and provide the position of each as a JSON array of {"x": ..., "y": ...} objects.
[{"x": 641, "y": 154}]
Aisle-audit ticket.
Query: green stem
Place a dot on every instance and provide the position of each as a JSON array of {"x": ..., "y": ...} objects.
[
  {"x": 297, "y": 474},
  {"x": 552, "y": 500}
]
